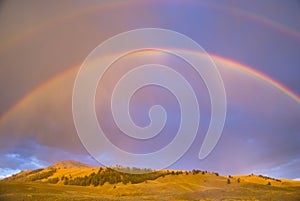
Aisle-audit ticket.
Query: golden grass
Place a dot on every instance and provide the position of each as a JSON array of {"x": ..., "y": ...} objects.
[{"x": 170, "y": 187}]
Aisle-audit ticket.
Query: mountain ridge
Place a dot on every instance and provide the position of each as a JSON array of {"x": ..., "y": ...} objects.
[
  {"x": 79, "y": 169},
  {"x": 80, "y": 182}
]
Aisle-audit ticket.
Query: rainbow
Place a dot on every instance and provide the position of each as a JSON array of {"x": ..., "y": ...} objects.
[
  {"x": 259, "y": 75},
  {"x": 31, "y": 31},
  {"x": 43, "y": 86},
  {"x": 261, "y": 19},
  {"x": 228, "y": 63}
]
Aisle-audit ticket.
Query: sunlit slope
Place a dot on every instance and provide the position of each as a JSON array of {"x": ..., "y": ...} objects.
[
  {"x": 162, "y": 185},
  {"x": 58, "y": 169},
  {"x": 69, "y": 164}
]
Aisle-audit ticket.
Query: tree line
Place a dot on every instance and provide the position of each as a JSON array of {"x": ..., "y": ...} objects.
[{"x": 111, "y": 176}]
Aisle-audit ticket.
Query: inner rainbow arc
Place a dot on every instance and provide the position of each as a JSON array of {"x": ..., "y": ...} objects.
[
  {"x": 228, "y": 63},
  {"x": 260, "y": 75}
]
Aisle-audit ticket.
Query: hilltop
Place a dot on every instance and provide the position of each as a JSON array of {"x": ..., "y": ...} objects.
[
  {"x": 72, "y": 180},
  {"x": 69, "y": 164}
]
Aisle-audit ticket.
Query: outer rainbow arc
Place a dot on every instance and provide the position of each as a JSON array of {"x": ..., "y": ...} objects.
[
  {"x": 28, "y": 33},
  {"x": 263, "y": 20},
  {"x": 56, "y": 20},
  {"x": 229, "y": 63}
]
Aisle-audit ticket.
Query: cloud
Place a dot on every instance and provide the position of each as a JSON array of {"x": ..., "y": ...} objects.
[
  {"x": 29, "y": 155},
  {"x": 7, "y": 172}
]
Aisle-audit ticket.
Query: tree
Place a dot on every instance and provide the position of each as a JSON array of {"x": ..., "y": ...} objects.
[
  {"x": 228, "y": 181},
  {"x": 53, "y": 180},
  {"x": 125, "y": 180},
  {"x": 238, "y": 180},
  {"x": 66, "y": 182},
  {"x": 95, "y": 181}
]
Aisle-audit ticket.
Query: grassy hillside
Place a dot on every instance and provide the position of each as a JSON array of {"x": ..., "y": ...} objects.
[
  {"x": 169, "y": 185},
  {"x": 69, "y": 164}
]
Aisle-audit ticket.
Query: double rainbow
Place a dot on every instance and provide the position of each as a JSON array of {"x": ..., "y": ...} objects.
[{"x": 227, "y": 62}]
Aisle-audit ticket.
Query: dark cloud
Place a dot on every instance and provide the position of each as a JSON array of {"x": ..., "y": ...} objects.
[{"x": 27, "y": 154}]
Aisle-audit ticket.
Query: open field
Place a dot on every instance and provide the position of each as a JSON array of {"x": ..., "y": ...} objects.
[{"x": 171, "y": 187}]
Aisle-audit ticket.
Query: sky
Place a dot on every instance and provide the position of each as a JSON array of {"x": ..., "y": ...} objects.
[{"x": 255, "y": 45}]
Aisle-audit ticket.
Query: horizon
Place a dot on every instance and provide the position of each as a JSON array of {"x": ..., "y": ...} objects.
[{"x": 98, "y": 166}]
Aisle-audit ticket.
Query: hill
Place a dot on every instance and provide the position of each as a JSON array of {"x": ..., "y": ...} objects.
[
  {"x": 69, "y": 164},
  {"x": 98, "y": 183}
]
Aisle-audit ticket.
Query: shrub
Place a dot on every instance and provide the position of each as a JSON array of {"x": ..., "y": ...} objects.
[
  {"x": 53, "y": 180},
  {"x": 113, "y": 177},
  {"x": 43, "y": 175}
]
